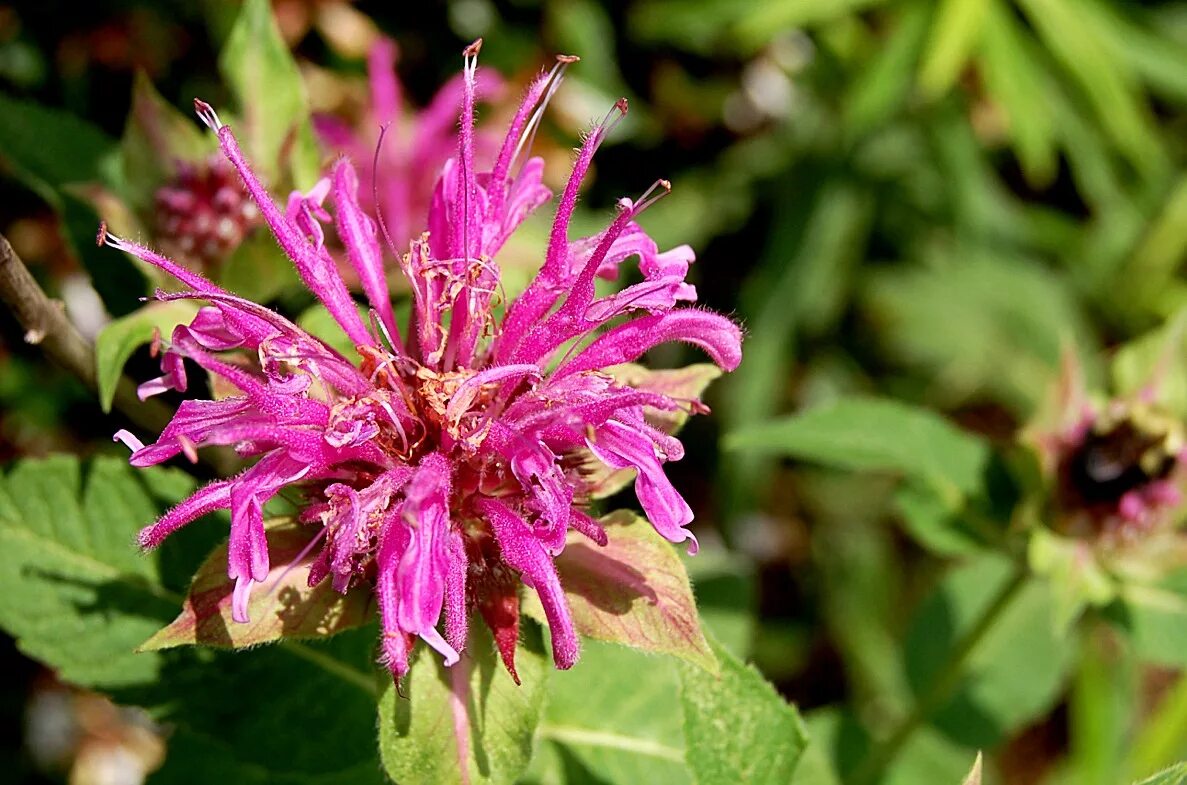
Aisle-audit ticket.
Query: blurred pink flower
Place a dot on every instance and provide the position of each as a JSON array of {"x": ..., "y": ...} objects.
[
  {"x": 444, "y": 460},
  {"x": 397, "y": 176}
]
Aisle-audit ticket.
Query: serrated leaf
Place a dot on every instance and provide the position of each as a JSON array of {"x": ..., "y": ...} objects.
[
  {"x": 121, "y": 337},
  {"x": 264, "y": 77},
  {"x": 736, "y": 727},
  {"x": 74, "y": 590},
  {"x": 633, "y": 591},
  {"x": 1175, "y": 775},
  {"x": 282, "y": 606},
  {"x": 417, "y": 740},
  {"x": 871, "y": 434},
  {"x": 616, "y": 715},
  {"x": 1017, "y": 668}
]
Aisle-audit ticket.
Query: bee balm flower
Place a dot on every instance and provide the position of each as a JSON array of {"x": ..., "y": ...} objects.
[{"x": 445, "y": 459}]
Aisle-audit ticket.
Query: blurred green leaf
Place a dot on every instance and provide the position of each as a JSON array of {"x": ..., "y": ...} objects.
[
  {"x": 1101, "y": 711},
  {"x": 870, "y": 434},
  {"x": 1073, "y": 34},
  {"x": 156, "y": 137},
  {"x": 1010, "y": 69},
  {"x": 1014, "y": 673},
  {"x": 881, "y": 89},
  {"x": 934, "y": 522},
  {"x": 258, "y": 270},
  {"x": 726, "y": 595},
  {"x": 632, "y": 591},
  {"x": 75, "y": 591},
  {"x": 1156, "y": 618},
  {"x": 980, "y": 326},
  {"x": 955, "y": 30},
  {"x": 257, "y": 64},
  {"x": 283, "y": 606},
  {"x": 1163, "y": 737},
  {"x": 1078, "y": 580},
  {"x": 121, "y": 337},
  {"x": 417, "y": 740},
  {"x": 736, "y": 727},
  {"x": 49, "y": 148}
]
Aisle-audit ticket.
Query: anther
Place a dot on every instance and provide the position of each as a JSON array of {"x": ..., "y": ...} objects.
[{"x": 207, "y": 115}]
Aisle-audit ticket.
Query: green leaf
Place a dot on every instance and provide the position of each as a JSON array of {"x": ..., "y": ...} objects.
[
  {"x": 1156, "y": 618},
  {"x": 934, "y": 522},
  {"x": 155, "y": 138},
  {"x": 616, "y": 713},
  {"x": 75, "y": 591},
  {"x": 1078, "y": 580},
  {"x": 417, "y": 740},
  {"x": 49, "y": 148},
  {"x": 633, "y": 591},
  {"x": 954, "y": 33},
  {"x": 1010, "y": 72},
  {"x": 121, "y": 337},
  {"x": 264, "y": 77},
  {"x": 236, "y": 713},
  {"x": 282, "y": 606},
  {"x": 737, "y": 728},
  {"x": 871, "y": 434},
  {"x": 258, "y": 270},
  {"x": 1175, "y": 775},
  {"x": 1015, "y": 671}
]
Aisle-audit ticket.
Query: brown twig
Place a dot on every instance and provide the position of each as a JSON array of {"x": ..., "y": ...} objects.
[{"x": 47, "y": 326}]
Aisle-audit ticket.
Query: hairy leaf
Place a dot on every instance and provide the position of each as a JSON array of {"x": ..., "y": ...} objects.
[
  {"x": 737, "y": 728},
  {"x": 74, "y": 590},
  {"x": 633, "y": 591},
  {"x": 282, "y": 606},
  {"x": 470, "y": 722}
]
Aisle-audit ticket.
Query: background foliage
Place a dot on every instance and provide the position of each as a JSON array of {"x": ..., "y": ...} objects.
[{"x": 915, "y": 207}]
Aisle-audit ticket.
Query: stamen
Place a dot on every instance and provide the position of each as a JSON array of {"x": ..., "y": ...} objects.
[
  {"x": 304, "y": 552},
  {"x": 528, "y": 136},
  {"x": 207, "y": 115},
  {"x": 381, "y": 330},
  {"x": 375, "y": 191},
  {"x": 646, "y": 200}
]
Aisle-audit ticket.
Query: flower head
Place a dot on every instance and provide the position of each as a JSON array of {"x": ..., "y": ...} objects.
[
  {"x": 202, "y": 213},
  {"x": 1116, "y": 467},
  {"x": 447, "y": 458}
]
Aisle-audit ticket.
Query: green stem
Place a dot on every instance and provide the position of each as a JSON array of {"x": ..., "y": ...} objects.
[{"x": 940, "y": 690}]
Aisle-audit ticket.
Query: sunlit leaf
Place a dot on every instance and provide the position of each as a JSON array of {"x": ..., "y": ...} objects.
[
  {"x": 632, "y": 591},
  {"x": 470, "y": 722},
  {"x": 282, "y": 606},
  {"x": 123, "y": 336},
  {"x": 261, "y": 71},
  {"x": 737, "y": 728}
]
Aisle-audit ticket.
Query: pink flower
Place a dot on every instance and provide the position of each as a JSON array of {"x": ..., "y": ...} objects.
[
  {"x": 443, "y": 462},
  {"x": 415, "y": 144}
]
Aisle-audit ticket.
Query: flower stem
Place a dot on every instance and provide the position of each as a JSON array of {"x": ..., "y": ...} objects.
[
  {"x": 47, "y": 326},
  {"x": 946, "y": 680}
]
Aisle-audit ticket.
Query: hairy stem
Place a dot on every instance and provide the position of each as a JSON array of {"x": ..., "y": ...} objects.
[
  {"x": 46, "y": 325},
  {"x": 942, "y": 685}
]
